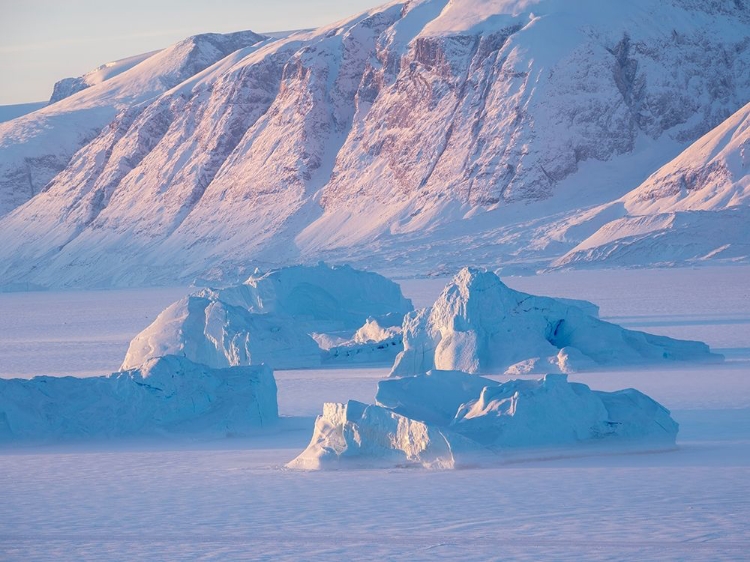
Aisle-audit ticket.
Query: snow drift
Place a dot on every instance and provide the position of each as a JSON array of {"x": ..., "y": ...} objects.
[
  {"x": 375, "y": 342},
  {"x": 451, "y": 419},
  {"x": 168, "y": 395},
  {"x": 479, "y": 325},
  {"x": 275, "y": 318},
  {"x": 69, "y": 86}
]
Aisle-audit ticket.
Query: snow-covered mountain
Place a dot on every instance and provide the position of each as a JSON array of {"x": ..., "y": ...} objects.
[
  {"x": 425, "y": 134},
  {"x": 37, "y": 146},
  {"x": 694, "y": 208},
  {"x": 69, "y": 86},
  {"x": 14, "y": 111}
]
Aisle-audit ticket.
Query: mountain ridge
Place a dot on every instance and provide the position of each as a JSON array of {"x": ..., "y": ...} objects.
[
  {"x": 37, "y": 146},
  {"x": 413, "y": 125},
  {"x": 697, "y": 205}
]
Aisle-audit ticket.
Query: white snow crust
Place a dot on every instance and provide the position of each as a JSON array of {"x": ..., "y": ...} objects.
[
  {"x": 168, "y": 395},
  {"x": 479, "y": 325},
  {"x": 450, "y": 419},
  {"x": 278, "y": 318}
]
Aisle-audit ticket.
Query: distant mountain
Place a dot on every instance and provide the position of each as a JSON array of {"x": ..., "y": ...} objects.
[
  {"x": 69, "y": 86},
  {"x": 39, "y": 145},
  {"x": 695, "y": 208},
  {"x": 414, "y": 138}
]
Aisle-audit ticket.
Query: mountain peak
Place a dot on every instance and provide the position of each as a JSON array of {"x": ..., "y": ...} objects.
[{"x": 491, "y": 126}]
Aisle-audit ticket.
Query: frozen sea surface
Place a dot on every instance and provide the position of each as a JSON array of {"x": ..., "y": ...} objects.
[
  {"x": 230, "y": 499},
  {"x": 81, "y": 333}
]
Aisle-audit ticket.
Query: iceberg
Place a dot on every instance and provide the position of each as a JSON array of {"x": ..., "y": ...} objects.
[
  {"x": 281, "y": 318},
  {"x": 449, "y": 419},
  {"x": 358, "y": 435},
  {"x": 479, "y": 325},
  {"x": 372, "y": 343},
  {"x": 219, "y": 334},
  {"x": 167, "y": 395}
]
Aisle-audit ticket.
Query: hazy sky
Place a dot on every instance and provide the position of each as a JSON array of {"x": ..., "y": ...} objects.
[{"x": 42, "y": 41}]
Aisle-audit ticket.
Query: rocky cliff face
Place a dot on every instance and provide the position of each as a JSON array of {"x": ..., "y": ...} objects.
[
  {"x": 67, "y": 87},
  {"x": 421, "y": 123}
]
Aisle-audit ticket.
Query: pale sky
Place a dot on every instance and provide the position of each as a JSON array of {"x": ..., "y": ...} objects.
[{"x": 42, "y": 41}]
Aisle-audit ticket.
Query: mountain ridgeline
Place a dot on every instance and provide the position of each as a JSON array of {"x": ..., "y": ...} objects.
[{"x": 418, "y": 136}]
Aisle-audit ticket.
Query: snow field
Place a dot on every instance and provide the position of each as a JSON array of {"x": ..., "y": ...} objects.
[
  {"x": 229, "y": 499},
  {"x": 76, "y": 333}
]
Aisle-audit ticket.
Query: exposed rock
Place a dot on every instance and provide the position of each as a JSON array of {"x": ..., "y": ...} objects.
[
  {"x": 67, "y": 87},
  {"x": 397, "y": 129},
  {"x": 693, "y": 209}
]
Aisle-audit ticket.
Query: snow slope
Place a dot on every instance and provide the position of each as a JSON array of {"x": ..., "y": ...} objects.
[
  {"x": 69, "y": 86},
  {"x": 34, "y": 148},
  {"x": 10, "y": 112},
  {"x": 395, "y": 136},
  {"x": 694, "y": 208}
]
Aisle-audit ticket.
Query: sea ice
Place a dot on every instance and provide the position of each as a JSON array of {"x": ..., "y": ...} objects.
[
  {"x": 446, "y": 419},
  {"x": 479, "y": 325},
  {"x": 164, "y": 396}
]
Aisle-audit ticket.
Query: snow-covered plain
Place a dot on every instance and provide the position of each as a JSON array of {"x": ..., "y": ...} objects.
[
  {"x": 230, "y": 499},
  {"x": 79, "y": 333}
]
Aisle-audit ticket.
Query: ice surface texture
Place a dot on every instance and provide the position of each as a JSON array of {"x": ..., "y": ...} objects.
[
  {"x": 271, "y": 318},
  {"x": 479, "y": 325},
  {"x": 446, "y": 419},
  {"x": 168, "y": 395}
]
